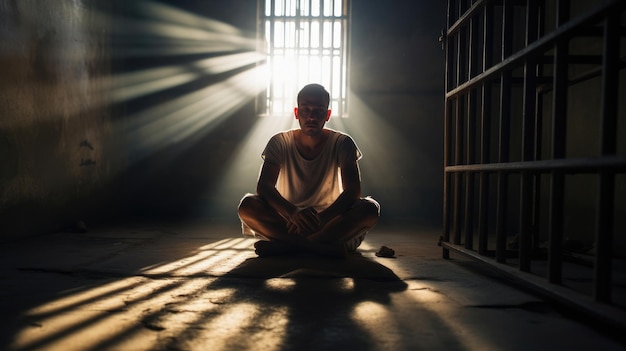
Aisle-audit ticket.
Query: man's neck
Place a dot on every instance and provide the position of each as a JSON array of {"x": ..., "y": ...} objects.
[
  {"x": 312, "y": 140},
  {"x": 311, "y": 145}
]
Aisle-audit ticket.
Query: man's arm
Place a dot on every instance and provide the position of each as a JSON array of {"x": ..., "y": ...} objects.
[
  {"x": 298, "y": 220},
  {"x": 351, "y": 182}
]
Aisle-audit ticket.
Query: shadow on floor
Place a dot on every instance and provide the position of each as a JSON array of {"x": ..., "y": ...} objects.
[{"x": 302, "y": 302}]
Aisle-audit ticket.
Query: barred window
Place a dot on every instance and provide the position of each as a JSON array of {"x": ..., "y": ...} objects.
[{"x": 305, "y": 42}]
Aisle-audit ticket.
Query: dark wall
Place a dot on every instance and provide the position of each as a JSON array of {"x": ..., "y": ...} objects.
[
  {"x": 71, "y": 149},
  {"x": 54, "y": 123},
  {"x": 397, "y": 77}
]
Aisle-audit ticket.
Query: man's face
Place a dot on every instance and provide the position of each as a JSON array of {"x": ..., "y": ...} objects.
[{"x": 312, "y": 113}]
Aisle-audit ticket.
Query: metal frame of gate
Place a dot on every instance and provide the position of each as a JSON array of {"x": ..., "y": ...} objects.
[{"x": 484, "y": 64}]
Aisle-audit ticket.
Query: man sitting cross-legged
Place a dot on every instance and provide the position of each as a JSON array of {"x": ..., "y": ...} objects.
[{"x": 309, "y": 189}]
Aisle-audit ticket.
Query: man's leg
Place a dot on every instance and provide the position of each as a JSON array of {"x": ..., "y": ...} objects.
[
  {"x": 352, "y": 224},
  {"x": 261, "y": 218},
  {"x": 267, "y": 223}
]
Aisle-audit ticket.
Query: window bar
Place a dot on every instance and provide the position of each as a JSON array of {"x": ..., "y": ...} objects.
[
  {"x": 260, "y": 102},
  {"x": 331, "y": 53},
  {"x": 528, "y": 129},
  {"x": 485, "y": 136},
  {"x": 343, "y": 66},
  {"x": 299, "y": 24},
  {"x": 306, "y": 18},
  {"x": 320, "y": 33},
  {"x": 345, "y": 51},
  {"x": 559, "y": 110},
  {"x": 505, "y": 107},
  {"x": 608, "y": 139},
  {"x": 471, "y": 133},
  {"x": 283, "y": 21},
  {"x": 271, "y": 48}
]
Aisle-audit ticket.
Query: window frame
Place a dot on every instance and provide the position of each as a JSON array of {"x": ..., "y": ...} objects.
[{"x": 321, "y": 40}]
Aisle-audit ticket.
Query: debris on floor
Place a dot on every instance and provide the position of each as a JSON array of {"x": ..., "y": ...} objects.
[{"x": 385, "y": 251}]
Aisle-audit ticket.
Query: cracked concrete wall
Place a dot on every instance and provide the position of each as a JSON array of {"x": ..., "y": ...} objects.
[{"x": 54, "y": 122}]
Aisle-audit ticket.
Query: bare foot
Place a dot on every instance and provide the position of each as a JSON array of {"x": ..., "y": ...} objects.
[
  {"x": 335, "y": 251},
  {"x": 273, "y": 248}
]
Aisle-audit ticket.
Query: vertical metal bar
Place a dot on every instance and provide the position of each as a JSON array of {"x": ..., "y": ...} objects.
[
  {"x": 320, "y": 39},
  {"x": 283, "y": 20},
  {"x": 528, "y": 129},
  {"x": 458, "y": 128},
  {"x": 471, "y": 133},
  {"x": 298, "y": 45},
  {"x": 505, "y": 110},
  {"x": 270, "y": 54},
  {"x": 538, "y": 134},
  {"x": 458, "y": 145},
  {"x": 447, "y": 181},
  {"x": 345, "y": 76},
  {"x": 608, "y": 140},
  {"x": 260, "y": 102},
  {"x": 447, "y": 135},
  {"x": 485, "y": 136},
  {"x": 559, "y": 120}
]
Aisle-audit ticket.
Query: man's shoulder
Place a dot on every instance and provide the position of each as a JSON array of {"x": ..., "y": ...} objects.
[
  {"x": 338, "y": 134},
  {"x": 340, "y": 137},
  {"x": 283, "y": 135},
  {"x": 281, "y": 139}
]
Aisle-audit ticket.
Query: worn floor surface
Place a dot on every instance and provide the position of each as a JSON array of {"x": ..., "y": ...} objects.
[{"x": 199, "y": 286}]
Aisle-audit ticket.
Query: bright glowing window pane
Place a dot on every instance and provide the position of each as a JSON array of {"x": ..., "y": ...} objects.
[
  {"x": 315, "y": 34},
  {"x": 328, "y": 8},
  {"x": 315, "y": 68},
  {"x": 337, "y": 35},
  {"x": 315, "y": 8},
  {"x": 279, "y": 34},
  {"x": 268, "y": 40},
  {"x": 326, "y": 72},
  {"x": 279, "y": 7},
  {"x": 268, "y": 8},
  {"x": 338, "y": 8},
  {"x": 304, "y": 7},
  {"x": 327, "y": 34},
  {"x": 290, "y": 34},
  {"x": 305, "y": 33},
  {"x": 291, "y": 8},
  {"x": 335, "y": 86}
]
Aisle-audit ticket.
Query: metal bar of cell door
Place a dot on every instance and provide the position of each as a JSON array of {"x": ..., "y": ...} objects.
[
  {"x": 447, "y": 135},
  {"x": 528, "y": 137},
  {"x": 608, "y": 145},
  {"x": 472, "y": 101},
  {"x": 559, "y": 120},
  {"x": 461, "y": 55},
  {"x": 504, "y": 132},
  {"x": 485, "y": 133}
]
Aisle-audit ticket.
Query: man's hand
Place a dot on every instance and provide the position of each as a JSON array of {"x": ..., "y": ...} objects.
[{"x": 303, "y": 222}]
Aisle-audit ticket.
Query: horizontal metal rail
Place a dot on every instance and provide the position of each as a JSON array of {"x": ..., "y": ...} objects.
[
  {"x": 542, "y": 44},
  {"x": 477, "y": 6},
  {"x": 578, "y": 165},
  {"x": 602, "y": 313}
]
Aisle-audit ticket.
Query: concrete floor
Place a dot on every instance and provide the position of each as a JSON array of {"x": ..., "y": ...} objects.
[{"x": 199, "y": 286}]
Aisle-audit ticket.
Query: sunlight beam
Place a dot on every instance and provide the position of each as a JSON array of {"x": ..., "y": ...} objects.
[{"x": 181, "y": 118}]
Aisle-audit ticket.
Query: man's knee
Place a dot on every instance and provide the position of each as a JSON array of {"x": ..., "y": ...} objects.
[
  {"x": 370, "y": 207},
  {"x": 247, "y": 205}
]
